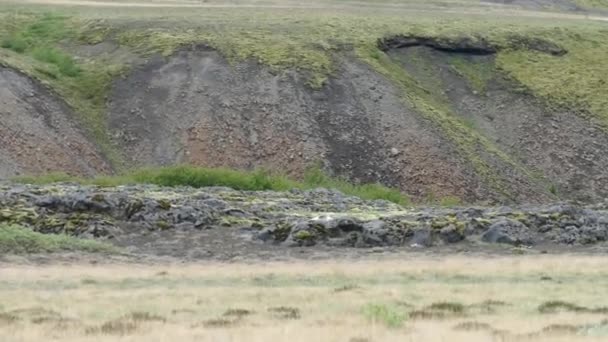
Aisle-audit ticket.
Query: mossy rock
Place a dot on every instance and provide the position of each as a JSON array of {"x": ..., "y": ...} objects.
[
  {"x": 304, "y": 235},
  {"x": 163, "y": 225},
  {"x": 164, "y": 204}
]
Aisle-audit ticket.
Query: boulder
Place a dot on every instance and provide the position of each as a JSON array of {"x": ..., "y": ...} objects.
[{"x": 508, "y": 231}]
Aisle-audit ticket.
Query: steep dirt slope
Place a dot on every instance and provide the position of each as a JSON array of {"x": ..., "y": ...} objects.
[
  {"x": 196, "y": 108},
  {"x": 37, "y": 133},
  {"x": 559, "y": 144}
]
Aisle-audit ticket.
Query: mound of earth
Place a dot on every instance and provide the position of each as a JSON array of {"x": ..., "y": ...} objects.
[
  {"x": 215, "y": 222},
  {"x": 38, "y": 132}
]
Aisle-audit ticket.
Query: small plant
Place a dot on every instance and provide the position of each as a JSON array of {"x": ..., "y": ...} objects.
[
  {"x": 119, "y": 327},
  {"x": 558, "y": 305},
  {"x": 384, "y": 314},
  {"x": 304, "y": 235},
  {"x": 440, "y": 310},
  {"x": 284, "y": 312},
  {"x": 238, "y": 313},
  {"x": 554, "y": 306},
  {"x": 553, "y": 189},
  {"x": 447, "y": 306},
  {"x": 8, "y": 318},
  {"x": 217, "y": 323},
  {"x": 64, "y": 63},
  {"x": 125, "y": 325}
]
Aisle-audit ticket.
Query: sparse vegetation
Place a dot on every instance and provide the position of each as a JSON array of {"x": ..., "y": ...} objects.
[
  {"x": 239, "y": 180},
  {"x": 561, "y": 306},
  {"x": 440, "y": 310},
  {"x": 284, "y": 312},
  {"x": 476, "y": 73},
  {"x": 19, "y": 240},
  {"x": 217, "y": 299}
]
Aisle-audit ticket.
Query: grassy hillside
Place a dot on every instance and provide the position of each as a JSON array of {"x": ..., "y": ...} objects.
[{"x": 46, "y": 44}]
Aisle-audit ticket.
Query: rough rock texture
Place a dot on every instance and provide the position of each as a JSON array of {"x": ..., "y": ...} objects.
[
  {"x": 196, "y": 108},
  {"x": 202, "y": 222},
  {"x": 38, "y": 133}
]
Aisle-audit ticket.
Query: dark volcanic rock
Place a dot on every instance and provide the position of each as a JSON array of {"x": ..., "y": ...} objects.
[
  {"x": 508, "y": 231},
  {"x": 471, "y": 45},
  {"x": 181, "y": 219}
]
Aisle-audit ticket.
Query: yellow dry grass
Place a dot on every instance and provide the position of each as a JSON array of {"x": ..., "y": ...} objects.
[{"x": 187, "y": 302}]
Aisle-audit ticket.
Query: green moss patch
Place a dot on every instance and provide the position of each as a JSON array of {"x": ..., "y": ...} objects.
[{"x": 19, "y": 240}]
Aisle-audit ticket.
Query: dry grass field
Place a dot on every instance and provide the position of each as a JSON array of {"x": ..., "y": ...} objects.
[{"x": 412, "y": 298}]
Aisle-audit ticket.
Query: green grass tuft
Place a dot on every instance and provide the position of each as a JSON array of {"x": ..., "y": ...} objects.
[
  {"x": 64, "y": 62},
  {"x": 16, "y": 44},
  {"x": 19, "y": 240},
  {"x": 391, "y": 317}
]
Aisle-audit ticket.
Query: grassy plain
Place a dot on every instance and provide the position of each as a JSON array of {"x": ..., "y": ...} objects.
[{"x": 414, "y": 298}]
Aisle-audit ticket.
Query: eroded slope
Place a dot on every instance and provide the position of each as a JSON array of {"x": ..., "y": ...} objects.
[
  {"x": 197, "y": 108},
  {"x": 556, "y": 144},
  {"x": 38, "y": 135}
]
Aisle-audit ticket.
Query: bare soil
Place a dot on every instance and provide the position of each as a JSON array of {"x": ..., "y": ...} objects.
[{"x": 38, "y": 132}]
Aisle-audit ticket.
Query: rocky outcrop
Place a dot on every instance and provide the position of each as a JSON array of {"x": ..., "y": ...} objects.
[
  {"x": 471, "y": 45},
  {"x": 297, "y": 218}
]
